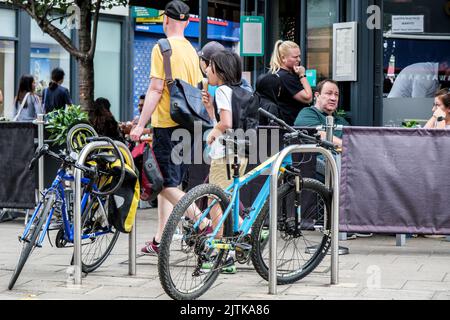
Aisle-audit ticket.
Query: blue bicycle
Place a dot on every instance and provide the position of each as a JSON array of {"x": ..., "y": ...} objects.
[
  {"x": 98, "y": 236},
  {"x": 191, "y": 255}
]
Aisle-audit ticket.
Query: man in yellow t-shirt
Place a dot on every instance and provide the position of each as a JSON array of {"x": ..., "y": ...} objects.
[{"x": 185, "y": 66}]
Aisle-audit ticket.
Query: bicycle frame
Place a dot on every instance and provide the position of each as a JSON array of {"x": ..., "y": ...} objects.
[
  {"x": 234, "y": 190},
  {"x": 58, "y": 190}
]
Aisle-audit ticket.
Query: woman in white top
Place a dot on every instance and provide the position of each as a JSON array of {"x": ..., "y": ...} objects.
[
  {"x": 26, "y": 104},
  {"x": 441, "y": 111}
]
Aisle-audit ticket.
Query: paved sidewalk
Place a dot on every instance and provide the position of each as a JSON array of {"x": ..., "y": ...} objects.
[{"x": 374, "y": 269}]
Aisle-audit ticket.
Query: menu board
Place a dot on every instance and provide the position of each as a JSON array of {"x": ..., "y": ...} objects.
[{"x": 345, "y": 51}]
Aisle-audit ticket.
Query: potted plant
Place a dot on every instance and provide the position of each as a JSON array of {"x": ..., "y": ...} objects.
[{"x": 60, "y": 121}]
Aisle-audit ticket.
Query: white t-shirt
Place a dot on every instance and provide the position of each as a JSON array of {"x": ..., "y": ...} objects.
[
  {"x": 419, "y": 80},
  {"x": 223, "y": 101}
]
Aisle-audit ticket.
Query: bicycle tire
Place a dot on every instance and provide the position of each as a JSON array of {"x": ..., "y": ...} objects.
[
  {"x": 89, "y": 263},
  {"x": 167, "y": 278},
  {"x": 321, "y": 239},
  {"x": 30, "y": 244}
]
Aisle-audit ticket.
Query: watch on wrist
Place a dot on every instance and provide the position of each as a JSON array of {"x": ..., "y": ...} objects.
[{"x": 302, "y": 76}]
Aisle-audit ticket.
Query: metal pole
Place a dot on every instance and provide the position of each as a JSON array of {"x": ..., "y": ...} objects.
[
  {"x": 203, "y": 15},
  {"x": 273, "y": 211},
  {"x": 40, "y": 123},
  {"x": 329, "y": 127}
]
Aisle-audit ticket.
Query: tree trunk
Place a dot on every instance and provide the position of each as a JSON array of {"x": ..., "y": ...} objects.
[
  {"x": 86, "y": 64},
  {"x": 86, "y": 85}
]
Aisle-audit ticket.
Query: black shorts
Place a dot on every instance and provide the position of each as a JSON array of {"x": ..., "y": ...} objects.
[{"x": 163, "y": 146}]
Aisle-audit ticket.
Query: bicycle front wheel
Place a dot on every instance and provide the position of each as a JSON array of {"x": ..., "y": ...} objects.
[
  {"x": 301, "y": 244},
  {"x": 187, "y": 266},
  {"x": 29, "y": 243},
  {"x": 100, "y": 236}
]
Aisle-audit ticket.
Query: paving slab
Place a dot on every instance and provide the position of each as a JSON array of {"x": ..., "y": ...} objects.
[{"x": 374, "y": 269}]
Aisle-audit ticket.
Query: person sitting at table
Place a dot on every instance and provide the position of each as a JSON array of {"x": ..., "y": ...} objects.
[
  {"x": 441, "y": 111},
  {"x": 326, "y": 103}
]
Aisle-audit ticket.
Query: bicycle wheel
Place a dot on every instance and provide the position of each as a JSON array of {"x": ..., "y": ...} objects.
[
  {"x": 183, "y": 253},
  {"x": 299, "y": 249},
  {"x": 30, "y": 242},
  {"x": 96, "y": 248}
]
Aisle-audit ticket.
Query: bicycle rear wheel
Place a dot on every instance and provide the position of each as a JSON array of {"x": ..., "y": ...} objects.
[
  {"x": 30, "y": 242},
  {"x": 183, "y": 252},
  {"x": 299, "y": 249},
  {"x": 96, "y": 248}
]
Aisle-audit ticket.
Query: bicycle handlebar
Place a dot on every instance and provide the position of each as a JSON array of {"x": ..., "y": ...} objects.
[{"x": 297, "y": 133}]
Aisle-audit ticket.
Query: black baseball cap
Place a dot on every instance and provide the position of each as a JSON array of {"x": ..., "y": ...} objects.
[
  {"x": 177, "y": 10},
  {"x": 209, "y": 49}
]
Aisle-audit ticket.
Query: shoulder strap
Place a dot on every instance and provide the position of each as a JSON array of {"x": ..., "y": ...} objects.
[
  {"x": 44, "y": 95},
  {"x": 166, "y": 51},
  {"x": 21, "y": 106}
]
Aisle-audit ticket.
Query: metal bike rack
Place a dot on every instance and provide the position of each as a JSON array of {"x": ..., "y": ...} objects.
[
  {"x": 274, "y": 205},
  {"x": 77, "y": 211}
]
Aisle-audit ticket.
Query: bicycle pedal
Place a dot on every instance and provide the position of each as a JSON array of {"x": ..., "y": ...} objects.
[
  {"x": 228, "y": 263},
  {"x": 243, "y": 247}
]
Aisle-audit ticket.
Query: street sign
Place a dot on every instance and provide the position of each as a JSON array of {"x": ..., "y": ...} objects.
[
  {"x": 143, "y": 12},
  {"x": 252, "y": 36}
]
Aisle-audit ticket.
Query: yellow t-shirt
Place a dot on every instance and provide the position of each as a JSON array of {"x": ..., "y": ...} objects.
[{"x": 185, "y": 66}]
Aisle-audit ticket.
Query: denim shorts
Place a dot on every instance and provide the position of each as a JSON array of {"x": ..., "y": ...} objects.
[{"x": 163, "y": 146}]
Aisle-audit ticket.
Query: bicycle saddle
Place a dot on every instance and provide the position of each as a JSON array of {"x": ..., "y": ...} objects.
[{"x": 103, "y": 157}]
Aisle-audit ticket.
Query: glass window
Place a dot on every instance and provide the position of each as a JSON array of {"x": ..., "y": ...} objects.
[
  {"x": 107, "y": 64},
  {"x": 7, "y": 78},
  {"x": 47, "y": 54},
  {"x": 7, "y": 23},
  {"x": 416, "y": 61},
  {"x": 321, "y": 14}
]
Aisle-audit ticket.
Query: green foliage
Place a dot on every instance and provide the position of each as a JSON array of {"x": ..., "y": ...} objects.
[
  {"x": 410, "y": 124},
  {"x": 341, "y": 113},
  {"x": 59, "y": 122},
  {"x": 41, "y": 6}
]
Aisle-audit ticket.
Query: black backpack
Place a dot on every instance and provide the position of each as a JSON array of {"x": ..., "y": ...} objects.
[
  {"x": 245, "y": 105},
  {"x": 268, "y": 87}
]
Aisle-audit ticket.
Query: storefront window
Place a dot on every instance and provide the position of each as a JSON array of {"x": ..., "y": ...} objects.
[
  {"x": 7, "y": 23},
  {"x": 321, "y": 14},
  {"x": 7, "y": 77},
  {"x": 416, "y": 58},
  {"x": 107, "y": 64},
  {"x": 47, "y": 54}
]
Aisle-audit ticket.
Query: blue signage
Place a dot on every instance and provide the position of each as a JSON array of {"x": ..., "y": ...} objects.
[{"x": 221, "y": 30}]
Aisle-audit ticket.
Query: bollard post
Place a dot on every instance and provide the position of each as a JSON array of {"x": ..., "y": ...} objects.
[{"x": 40, "y": 123}]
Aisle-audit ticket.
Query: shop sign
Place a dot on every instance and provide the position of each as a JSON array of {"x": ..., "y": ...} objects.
[
  {"x": 408, "y": 24},
  {"x": 143, "y": 12}
]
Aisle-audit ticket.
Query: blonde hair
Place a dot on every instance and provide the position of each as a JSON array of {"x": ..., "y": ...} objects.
[{"x": 280, "y": 50}]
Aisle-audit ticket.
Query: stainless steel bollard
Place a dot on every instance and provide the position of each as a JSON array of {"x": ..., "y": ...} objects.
[
  {"x": 77, "y": 211},
  {"x": 40, "y": 123},
  {"x": 274, "y": 204}
]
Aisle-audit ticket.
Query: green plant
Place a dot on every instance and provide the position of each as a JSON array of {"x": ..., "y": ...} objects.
[
  {"x": 59, "y": 122},
  {"x": 341, "y": 113},
  {"x": 410, "y": 124}
]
